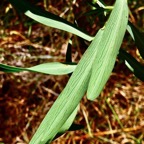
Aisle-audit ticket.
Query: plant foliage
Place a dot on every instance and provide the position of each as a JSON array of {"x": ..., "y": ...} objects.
[{"x": 92, "y": 71}]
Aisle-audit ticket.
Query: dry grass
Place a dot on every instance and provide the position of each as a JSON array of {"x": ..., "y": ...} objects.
[{"x": 117, "y": 116}]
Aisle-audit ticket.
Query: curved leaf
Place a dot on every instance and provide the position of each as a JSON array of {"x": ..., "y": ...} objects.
[
  {"x": 48, "y": 18},
  {"x": 138, "y": 37},
  {"x": 53, "y": 68},
  {"x": 108, "y": 49},
  {"x": 69, "y": 99},
  {"x": 132, "y": 64},
  {"x": 78, "y": 82}
]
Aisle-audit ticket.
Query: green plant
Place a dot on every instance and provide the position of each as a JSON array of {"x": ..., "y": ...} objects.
[{"x": 91, "y": 73}]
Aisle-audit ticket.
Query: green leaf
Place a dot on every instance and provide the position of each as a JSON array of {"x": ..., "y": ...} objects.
[
  {"x": 48, "y": 18},
  {"x": 132, "y": 64},
  {"x": 138, "y": 37},
  {"x": 108, "y": 49},
  {"x": 54, "y": 68},
  {"x": 68, "y": 124},
  {"x": 8, "y": 69},
  {"x": 69, "y": 121},
  {"x": 69, "y": 99},
  {"x": 77, "y": 85}
]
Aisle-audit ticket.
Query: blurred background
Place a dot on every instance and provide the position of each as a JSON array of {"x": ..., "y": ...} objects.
[{"x": 116, "y": 116}]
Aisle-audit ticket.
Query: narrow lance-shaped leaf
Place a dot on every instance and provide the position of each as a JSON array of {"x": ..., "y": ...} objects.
[
  {"x": 70, "y": 97},
  {"x": 48, "y": 18},
  {"x": 132, "y": 64},
  {"x": 54, "y": 68},
  {"x": 138, "y": 37},
  {"x": 108, "y": 48}
]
